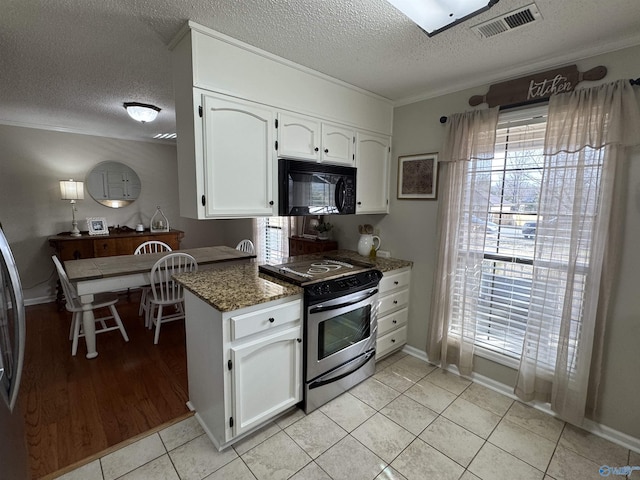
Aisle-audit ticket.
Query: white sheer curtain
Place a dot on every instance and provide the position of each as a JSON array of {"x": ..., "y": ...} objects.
[
  {"x": 587, "y": 131},
  {"x": 464, "y": 186}
]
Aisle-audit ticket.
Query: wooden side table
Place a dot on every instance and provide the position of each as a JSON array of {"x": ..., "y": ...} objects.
[{"x": 304, "y": 246}]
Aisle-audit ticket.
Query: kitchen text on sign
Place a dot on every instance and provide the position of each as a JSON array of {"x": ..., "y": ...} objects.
[{"x": 548, "y": 87}]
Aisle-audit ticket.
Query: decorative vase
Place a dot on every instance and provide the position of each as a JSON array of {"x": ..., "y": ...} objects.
[{"x": 366, "y": 242}]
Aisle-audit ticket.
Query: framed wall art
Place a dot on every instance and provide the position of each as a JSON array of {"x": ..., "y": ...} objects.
[
  {"x": 97, "y": 226},
  {"x": 418, "y": 176}
]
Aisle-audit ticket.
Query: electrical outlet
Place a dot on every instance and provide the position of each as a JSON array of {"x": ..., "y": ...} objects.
[{"x": 383, "y": 253}]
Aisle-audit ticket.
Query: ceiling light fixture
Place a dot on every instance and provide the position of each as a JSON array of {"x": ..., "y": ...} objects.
[
  {"x": 142, "y": 112},
  {"x": 435, "y": 16}
]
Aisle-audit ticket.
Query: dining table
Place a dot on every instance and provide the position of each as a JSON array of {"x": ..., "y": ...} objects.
[{"x": 91, "y": 276}]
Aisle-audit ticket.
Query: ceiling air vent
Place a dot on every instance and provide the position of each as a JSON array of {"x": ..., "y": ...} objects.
[{"x": 508, "y": 21}]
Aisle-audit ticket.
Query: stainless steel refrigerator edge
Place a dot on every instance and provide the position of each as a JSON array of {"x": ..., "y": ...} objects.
[{"x": 13, "y": 449}]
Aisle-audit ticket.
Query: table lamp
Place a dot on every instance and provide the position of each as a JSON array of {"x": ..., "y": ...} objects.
[{"x": 72, "y": 190}]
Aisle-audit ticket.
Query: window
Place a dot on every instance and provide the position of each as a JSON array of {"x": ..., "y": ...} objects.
[
  {"x": 502, "y": 226},
  {"x": 272, "y": 235}
]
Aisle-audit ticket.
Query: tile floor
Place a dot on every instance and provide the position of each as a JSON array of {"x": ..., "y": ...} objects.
[{"x": 410, "y": 421}]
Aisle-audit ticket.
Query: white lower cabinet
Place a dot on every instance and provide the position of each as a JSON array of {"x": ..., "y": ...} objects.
[
  {"x": 244, "y": 367},
  {"x": 266, "y": 377},
  {"x": 393, "y": 311}
]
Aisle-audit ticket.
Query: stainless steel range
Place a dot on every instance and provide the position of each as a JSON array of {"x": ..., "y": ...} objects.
[{"x": 340, "y": 323}]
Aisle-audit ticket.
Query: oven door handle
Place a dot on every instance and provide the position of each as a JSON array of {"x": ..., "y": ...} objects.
[
  {"x": 325, "y": 308},
  {"x": 339, "y": 372}
]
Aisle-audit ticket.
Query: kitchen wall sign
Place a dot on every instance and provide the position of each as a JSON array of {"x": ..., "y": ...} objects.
[
  {"x": 537, "y": 87},
  {"x": 418, "y": 176}
]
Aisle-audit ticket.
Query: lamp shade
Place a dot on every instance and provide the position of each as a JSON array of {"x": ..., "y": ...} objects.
[
  {"x": 434, "y": 16},
  {"x": 142, "y": 112},
  {"x": 71, "y": 190}
]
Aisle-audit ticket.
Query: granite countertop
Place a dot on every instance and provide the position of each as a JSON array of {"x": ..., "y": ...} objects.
[{"x": 236, "y": 286}]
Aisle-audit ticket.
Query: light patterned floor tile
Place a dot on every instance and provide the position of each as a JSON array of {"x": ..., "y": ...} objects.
[
  {"x": 315, "y": 433},
  {"x": 234, "y": 470},
  {"x": 277, "y": 458},
  {"x": 420, "y": 461},
  {"x": 350, "y": 460},
  {"x": 467, "y": 475},
  {"x": 568, "y": 465},
  {"x": 256, "y": 438},
  {"x": 472, "y": 417},
  {"x": 347, "y": 411},
  {"x": 430, "y": 395},
  {"x": 409, "y": 414},
  {"x": 311, "y": 472},
  {"x": 374, "y": 393},
  {"x": 449, "y": 381},
  {"x": 290, "y": 418},
  {"x": 492, "y": 463},
  {"x": 198, "y": 458},
  {"x": 90, "y": 471},
  {"x": 132, "y": 456},
  {"x": 524, "y": 444},
  {"x": 390, "y": 474},
  {"x": 488, "y": 399},
  {"x": 383, "y": 437},
  {"x": 394, "y": 378},
  {"x": 159, "y": 469},
  {"x": 592, "y": 447},
  {"x": 454, "y": 441},
  {"x": 634, "y": 461},
  {"x": 180, "y": 433},
  {"x": 535, "y": 420}
]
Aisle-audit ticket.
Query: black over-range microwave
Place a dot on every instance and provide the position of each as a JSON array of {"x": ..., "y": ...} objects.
[{"x": 310, "y": 188}]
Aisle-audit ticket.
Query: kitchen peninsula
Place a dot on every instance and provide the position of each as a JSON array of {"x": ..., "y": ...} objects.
[{"x": 244, "y": 341}]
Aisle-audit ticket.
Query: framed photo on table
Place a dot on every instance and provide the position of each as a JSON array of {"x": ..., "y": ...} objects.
[
  {"x": 418, "y": 176},
  {"x": 97, "y": 226}
]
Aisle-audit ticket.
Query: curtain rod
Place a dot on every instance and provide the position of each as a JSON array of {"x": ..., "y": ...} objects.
[{"x": 632, "y": 81}]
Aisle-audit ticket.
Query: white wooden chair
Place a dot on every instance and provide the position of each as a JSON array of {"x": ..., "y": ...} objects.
[
  {"x": 74, "y": 306},
  {"x": 246, "y": 246},
  {"x": 165, "y": 291},
  {"x": 151, "y": 246}
]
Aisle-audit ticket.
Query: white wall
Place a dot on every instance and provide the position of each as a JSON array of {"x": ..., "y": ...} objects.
[
  {"x": 409, "y": 232},
  {"x": 32, "y": 162}
]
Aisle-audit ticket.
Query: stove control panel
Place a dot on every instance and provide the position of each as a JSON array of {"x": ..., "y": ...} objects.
[{"x": 343, "y": 286}]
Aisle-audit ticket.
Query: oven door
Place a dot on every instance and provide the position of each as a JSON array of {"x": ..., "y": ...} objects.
[{"x": 340, "y": 330}]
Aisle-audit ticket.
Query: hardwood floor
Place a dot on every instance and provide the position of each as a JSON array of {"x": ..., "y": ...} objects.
[{"x": 75, "y": 408}]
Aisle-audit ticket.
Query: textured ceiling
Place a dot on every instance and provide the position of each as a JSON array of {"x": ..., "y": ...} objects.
[{"x": 70, "y": 64}]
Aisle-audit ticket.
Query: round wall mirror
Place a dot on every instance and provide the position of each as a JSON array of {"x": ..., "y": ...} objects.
[{"x": 113, "y": 184}]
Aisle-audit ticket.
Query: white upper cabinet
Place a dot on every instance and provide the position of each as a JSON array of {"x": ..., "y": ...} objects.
[
  {"x": 227, "y": 94},
  {"x": 337, "y": 144},
  {"x": 308, "y": 138},
  {"x": 372, "y": 162},
  {"x": 238, "y": 157},
  {"x": 298, "y": 137}
]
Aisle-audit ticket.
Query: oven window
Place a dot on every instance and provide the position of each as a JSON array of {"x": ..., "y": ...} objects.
[{"x": 342, "y": 331}]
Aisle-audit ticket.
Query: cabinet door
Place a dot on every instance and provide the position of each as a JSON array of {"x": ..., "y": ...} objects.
[
  {"x": 337, "y": 144},
  {"x": 238, "y": 158},
  {"x": 267, "y": 377},
  {"x": 372, "y": 161},
  {"x": 298, "y": 137}
]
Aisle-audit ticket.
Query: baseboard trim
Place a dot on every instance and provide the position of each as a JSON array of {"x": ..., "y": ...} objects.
[
  {"x": 598, "y": 429},
  {"x": 39, "y": 300}
]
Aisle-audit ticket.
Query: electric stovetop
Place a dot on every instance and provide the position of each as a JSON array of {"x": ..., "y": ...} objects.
[{"x": 317, "y": 269}]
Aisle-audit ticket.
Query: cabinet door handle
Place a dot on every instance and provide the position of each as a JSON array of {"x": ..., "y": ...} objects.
[
  {"x": 394, "y": 321},
  {"x": 393, "y": 340},
  {"x": 316, "y": 149},
  {"x": 271, "y": 319},
  {"x": 326, "y": 150},
  {"x": 271, "y": 202},
  {"x": 299, "y": 340},
  {"x": 395, "y": 302},
  {"x": 396, "y": 282}
]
